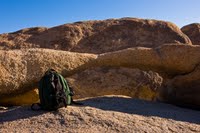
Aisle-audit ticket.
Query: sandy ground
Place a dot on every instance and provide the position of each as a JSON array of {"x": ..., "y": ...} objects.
[{"x": 109, "y": 114}]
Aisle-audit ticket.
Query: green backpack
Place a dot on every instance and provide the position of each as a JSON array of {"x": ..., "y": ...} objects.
[{"x": 54, "y": 92}]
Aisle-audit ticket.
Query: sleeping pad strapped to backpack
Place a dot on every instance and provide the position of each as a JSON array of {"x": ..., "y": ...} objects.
[{"x": 54, "y": 91}]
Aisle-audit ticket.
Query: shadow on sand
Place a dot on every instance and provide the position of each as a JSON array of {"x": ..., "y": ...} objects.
[
  {"x": 18, "y": 112},
  {"x": 144, "y": 108},
  {"x": 114, "y": 103}
]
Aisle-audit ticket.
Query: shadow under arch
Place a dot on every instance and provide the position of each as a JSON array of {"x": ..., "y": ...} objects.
[{"x": 144, "y": 108}]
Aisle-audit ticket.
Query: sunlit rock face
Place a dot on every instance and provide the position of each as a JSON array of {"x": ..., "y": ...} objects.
[
  {"x": 146, "y": 59},
  {"x": 193, "y": 32},
  {"x": 96, "y": 36}
]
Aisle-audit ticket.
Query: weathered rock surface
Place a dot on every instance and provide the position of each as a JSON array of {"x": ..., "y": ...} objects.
[
  {"x": 118, "y": 81},
  {"x": 97, "y": 36},
  {"x": 193, "y": 32},
  {"x": 177, "y": 63},
  {"x": 20, "y": 70},
  {"x": 171, "y": 60},
  {"x": 168, "y": 60},
  {"x": 103, "y": 114}
]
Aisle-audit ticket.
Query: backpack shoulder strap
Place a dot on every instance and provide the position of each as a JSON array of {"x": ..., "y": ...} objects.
[
  {"x": 69, "y": 92},
  {"x": 66, "y": 89}
]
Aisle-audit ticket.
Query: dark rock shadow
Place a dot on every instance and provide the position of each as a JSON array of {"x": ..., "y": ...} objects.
[
  {"x": 144, "y": 108},
  {"x": 18, "y": 112}
]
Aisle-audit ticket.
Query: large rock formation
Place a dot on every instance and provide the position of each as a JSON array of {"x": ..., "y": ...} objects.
[
  {"x": 171, "y": 61},
  {"x": 178, "y": 64},
  {"x": 193, "y": 32},
  {"x": 91, "y": 37},
  {"x": 21, "y": 70},
  {"x": 97, "y": 36}
]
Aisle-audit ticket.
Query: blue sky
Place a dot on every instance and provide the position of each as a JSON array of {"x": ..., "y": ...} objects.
[{"x": 18, "y": 14}]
